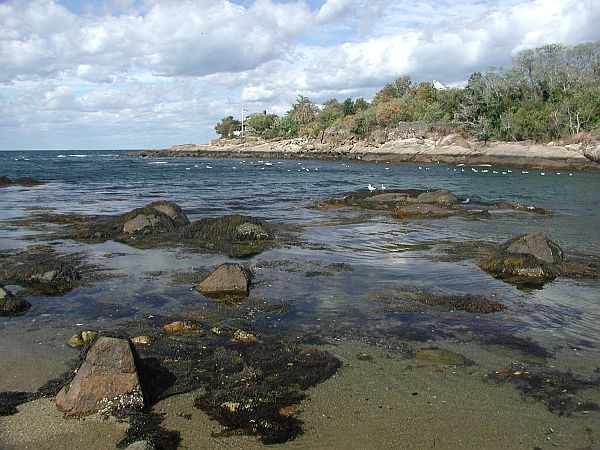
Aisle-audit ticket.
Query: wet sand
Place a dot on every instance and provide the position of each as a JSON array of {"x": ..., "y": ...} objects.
[{"x": 376, "y": 400}]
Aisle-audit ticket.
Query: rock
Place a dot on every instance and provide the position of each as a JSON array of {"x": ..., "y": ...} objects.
[
  {"x": 141, "y": 340},
  {"x": 531, "y": 259},
  {"x": 139, "y": 222},
  {"x": 182, "y": 327},
  {"x": 23, "y": 181},
  {"x": 591, "y": 150},
  {"x": 107, "y": 379},
  {"x": 226, "y": 281},
  {"x": 172, "y": 210},
  {"x": 454, "y": 139},
  {"x": 82, "y": 339},
  {"x": 440, "y": 356},
  {"x": 538, "y": 245},
  {"x": 519, "y": 207},
  {"x": 10, "y": 304},
  {"x": 244, "y": 336},
  {"x": 140, "y": 445},
  {"x": 422, "y": 211},
  {"x": 251, "y": 231},
  {"x": 439, "y": 197}
]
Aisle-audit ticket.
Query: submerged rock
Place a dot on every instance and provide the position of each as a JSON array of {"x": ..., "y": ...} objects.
[
  {"x": 228, "y": 280},
  {"x": 41, "y": 270},
  {"x": 23, "y": 181},
  {"x": 531, "y": 259},
  {"x": 180, "y": 327},
  {"x": 11, "y": 304},
  {"x": 106, "y": 380},
  {"x": 440, "y": 356}
]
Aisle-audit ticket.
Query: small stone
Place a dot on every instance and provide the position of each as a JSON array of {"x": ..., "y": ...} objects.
[
  {"x": 82, "y": 339},
  {"x": 140, "y": 445},
  {"x": 144, "y": 340},
  {"x": 244, "y": 336},
  {"x": 250, "y": 231},
  {"x": 288, "y": 410},
  {"x": 440, "y": 356},
  {"x": 182, "y": 327}
]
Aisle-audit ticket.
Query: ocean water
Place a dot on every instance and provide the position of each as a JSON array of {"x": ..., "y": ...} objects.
[{"x": 380, "y": 253}]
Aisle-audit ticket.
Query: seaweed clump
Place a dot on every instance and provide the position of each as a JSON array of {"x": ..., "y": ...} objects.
[
  {"x": 411, "y": 299},
  {"x": 251, "y": 387},
  {"x": 559, "y": 391},
  {"x": 147, "y": 426}
]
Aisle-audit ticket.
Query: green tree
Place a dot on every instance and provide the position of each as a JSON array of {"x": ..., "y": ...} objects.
[
  {"x": 262, "y": 124},
  {"x": 303, "y": 111},
  {"x": 227, "y": 126}
]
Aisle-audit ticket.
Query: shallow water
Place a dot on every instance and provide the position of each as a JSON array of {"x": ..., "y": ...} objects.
[{"x": 321, "y": 303}]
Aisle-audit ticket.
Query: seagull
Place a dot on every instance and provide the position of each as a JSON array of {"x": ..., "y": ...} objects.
[
  {"x": 467, "y": 200},
  {"x": 509, "y": 171},
  {"x": 524, "y": 171},
  {"x": 209, "y": 167},
  {"x": 542, "y": 173},
  {"x": 383, "y": 188},
  {"x": 371, "y": 188}
]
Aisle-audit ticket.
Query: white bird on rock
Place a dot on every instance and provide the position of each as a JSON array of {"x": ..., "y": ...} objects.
[
  {"x": 383, "y": 188},
  {"x": 371, "y": 187}
]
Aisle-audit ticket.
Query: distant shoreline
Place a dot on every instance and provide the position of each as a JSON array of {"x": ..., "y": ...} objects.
[{"x": 412, "y": 150}]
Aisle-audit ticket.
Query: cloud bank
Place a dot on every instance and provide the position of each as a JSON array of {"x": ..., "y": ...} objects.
[{"x": 133, "y": 74}]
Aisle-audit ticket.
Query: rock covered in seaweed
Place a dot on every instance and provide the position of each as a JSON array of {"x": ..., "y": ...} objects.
[
  {"x": 23, "y": 181},
  {"x": 106, "y": 380},
  {"x": 164, "y": 223},
  {"x": 531, "y": 259},
  {"x": 11, "y": 304}
]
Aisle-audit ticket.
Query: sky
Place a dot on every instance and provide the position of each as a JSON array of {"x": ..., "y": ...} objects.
[{"x": 132, "y": 74}]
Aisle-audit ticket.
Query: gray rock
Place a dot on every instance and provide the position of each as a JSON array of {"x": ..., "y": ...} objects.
[
  {"x": 106, "y": 380},
  {"x": 439, "y": 197},
  {"x": 10, "y": 304},
  {"x": 592, "y": 151},
  {"x": 538, "y": 245},
  {"x": 139, "y": 223},
  {"x": 226, "y": 280},
  {"x": 422, "y": 211}
]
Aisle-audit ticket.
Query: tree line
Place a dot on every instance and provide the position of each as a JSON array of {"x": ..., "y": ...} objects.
[{"x": 551, "y": 92}]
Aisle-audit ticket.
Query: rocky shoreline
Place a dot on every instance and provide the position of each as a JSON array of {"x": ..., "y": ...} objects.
[{"x": 450, "y": 149}]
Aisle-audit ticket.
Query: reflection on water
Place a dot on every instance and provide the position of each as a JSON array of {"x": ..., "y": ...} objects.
[{"x": 322, "y": 300}]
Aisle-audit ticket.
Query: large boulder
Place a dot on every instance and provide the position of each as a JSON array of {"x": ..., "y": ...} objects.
[
  {"x": 106, "y": 380},
  {"x": 591, "y": 150},
  {"x": 228, "y": 280},
  {"x": 10, "y": 304},
  {"x": 531, "y": 259}
]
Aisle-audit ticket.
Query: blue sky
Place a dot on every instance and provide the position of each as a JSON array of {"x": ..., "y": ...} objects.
[{"x": 153, "y": 73}]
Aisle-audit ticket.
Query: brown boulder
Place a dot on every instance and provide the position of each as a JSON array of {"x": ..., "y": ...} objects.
[
  {"x": 532, "y": 259},
  {"x": 439, "y": 197},
  {"x": 107, "y": 379},
  {"x": 226, "y": 280}
]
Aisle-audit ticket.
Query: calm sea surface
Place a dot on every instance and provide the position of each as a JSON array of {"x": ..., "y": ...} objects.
[{"x": 383, "y": 253}]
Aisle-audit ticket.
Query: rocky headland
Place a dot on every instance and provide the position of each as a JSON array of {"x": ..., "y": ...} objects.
[{"x": 412, "y": 143}]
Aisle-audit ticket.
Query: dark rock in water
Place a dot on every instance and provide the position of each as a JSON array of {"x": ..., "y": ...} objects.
[
  {"x": 41, "y": 270},
  {"x": 182, "y": 327},
  {"x": 165, "y": 224},
  {"x": 519, "y": 207},
  {"x": 531, "y": 259},
  {"x": 23, "y": 181},
  {"x": 106, "y": 380},
  {"x": 537, "y": 245},
  {"x": 10, "y": 304},
  {"x": 441, "y": 197},
  {"x": 228, "y": 280},
  {"x": 238, "y": 236},
  {"x": 422, "y": 211}
]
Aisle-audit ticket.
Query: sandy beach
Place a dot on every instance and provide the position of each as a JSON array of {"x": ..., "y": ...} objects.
[{"x": 376, "y": 400}]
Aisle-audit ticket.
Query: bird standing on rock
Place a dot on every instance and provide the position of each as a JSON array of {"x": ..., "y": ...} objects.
[
  {"x": 371, "y": 187},
  {"x": 383, "y": 188}
]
